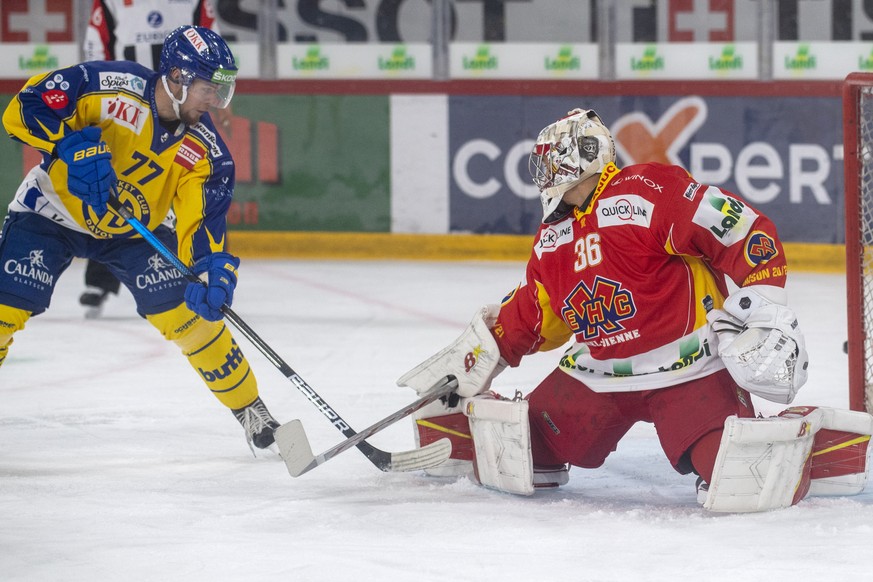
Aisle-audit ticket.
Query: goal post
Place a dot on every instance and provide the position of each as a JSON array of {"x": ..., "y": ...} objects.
[{"x": 858, "y": 169}]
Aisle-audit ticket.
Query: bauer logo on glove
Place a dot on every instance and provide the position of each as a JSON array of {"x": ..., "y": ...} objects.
[{"x": 90, "y": 152}]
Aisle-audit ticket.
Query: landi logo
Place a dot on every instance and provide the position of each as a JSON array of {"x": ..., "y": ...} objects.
[
  {"x": 650, "y": 61},
  {"x": 565, "y": 61},
  {"x": 483, "y": 60},
  {"x": 728, "y": 61},
  {"x": 313, "y": 61},
  {"x": 40, "y": 60},
  {"x": 399, "y": 60},
  {"x": 865, "y": 63},
  {"x": 638, "y": 139},
  {"x": 803, "y": 60}
]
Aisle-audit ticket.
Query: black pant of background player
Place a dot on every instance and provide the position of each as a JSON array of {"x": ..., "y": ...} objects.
[{"x": 99, "y": 283}]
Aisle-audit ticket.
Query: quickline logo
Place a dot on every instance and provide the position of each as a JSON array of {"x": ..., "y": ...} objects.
[
  {"x": 802, "y": 60},
  {"x": 41, "y": 59},
  {"x": 650, "y": 61},
  {"x": 565, "y": 61},
  {"x": 399, "y": 60},
  {"x": 728, "y": 61},
  {"x": 482, "y": 61},
  {"x": 313, "y": 61}
]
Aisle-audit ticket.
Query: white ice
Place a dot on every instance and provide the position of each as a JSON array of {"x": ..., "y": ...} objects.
[{"x": 117, "y": 464}]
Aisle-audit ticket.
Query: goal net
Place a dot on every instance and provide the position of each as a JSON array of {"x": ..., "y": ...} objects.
[{"x": 858, "y": 167}]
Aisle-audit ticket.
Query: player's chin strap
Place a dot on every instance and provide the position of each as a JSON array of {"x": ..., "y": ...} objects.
[{"x": 176, "y": 102}]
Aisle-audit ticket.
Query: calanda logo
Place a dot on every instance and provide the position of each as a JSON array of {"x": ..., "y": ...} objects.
[
  {"x": 159, "y": 275},
  {"x": 30, "y": 270}
]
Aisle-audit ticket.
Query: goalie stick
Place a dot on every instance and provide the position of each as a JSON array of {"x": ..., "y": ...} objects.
[
  {"x": 412, "y": 460},
  {"x": 297, "y": 453}
]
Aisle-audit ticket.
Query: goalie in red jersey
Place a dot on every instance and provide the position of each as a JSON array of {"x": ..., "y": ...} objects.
[{"x": 633, "y": 265}]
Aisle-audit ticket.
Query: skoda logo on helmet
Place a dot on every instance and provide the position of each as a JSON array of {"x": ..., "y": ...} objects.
[{"x": 223, "y": 76}]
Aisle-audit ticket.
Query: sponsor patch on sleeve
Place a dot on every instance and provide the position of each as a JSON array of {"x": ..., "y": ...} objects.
[
  {"x": 55, "y": 99},
  {"x": 190, "y": 152},
  {"x": 727, "y": 219},
  {"x": 554, "y": 236},
  {"x": 626, "y": 209},
  {"x": 760, "y": 248}
]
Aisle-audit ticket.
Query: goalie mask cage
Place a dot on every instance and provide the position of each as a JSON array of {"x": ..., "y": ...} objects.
[{"x": 858, "y": 168}]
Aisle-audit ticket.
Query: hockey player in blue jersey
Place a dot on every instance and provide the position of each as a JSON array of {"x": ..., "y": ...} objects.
[{"x": 100, "y": 124}]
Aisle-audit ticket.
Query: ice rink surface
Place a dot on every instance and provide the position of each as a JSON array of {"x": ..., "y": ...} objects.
[{"x": 117, "y": 464}]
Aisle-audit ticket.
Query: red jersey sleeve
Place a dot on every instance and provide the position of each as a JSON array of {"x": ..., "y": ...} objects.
[
  {"x": 526, "y": 323},
  {"x": 728, "y": 233}
]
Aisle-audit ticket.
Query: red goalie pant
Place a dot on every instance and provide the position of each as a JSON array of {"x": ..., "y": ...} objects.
[{"x": 570, "y": 423}]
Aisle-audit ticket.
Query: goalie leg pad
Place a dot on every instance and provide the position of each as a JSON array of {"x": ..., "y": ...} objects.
[
  {"x": 436, "y": 421},
  {"x": 501, "y": 441},
  {"x": 839, "y": 452},
  {"x": 763, "y": 463}
]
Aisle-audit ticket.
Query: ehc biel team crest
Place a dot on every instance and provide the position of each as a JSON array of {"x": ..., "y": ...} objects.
[{"x": 598, "y": 310}]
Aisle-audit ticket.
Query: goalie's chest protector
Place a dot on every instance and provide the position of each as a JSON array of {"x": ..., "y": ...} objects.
[{"x": 637, "y": 311}]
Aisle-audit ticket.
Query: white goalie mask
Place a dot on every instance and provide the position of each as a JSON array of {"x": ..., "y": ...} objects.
[{"x": 568, "y": 151}]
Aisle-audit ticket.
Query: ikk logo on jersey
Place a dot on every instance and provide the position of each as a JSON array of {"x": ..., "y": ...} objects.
[
  {"x": 124, "y": 111},
  {"x": 598, "y": 310}
]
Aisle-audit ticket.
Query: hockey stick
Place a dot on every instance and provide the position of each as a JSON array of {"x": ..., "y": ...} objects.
[
  {"x": 297, "y": 453},
  {"x": 413, "y": 460}
]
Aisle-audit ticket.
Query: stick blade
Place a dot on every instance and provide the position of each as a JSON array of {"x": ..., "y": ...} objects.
[
  {"x": 294, "y": 447},
  {"x": 425, "y": 457}
]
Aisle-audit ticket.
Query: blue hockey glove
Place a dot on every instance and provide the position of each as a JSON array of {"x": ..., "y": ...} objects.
[
  {"x": 206, "y": 300},
  {"x": 89, "y": 167}
]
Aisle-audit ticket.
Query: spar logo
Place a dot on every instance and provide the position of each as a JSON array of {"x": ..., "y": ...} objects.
[
  {"x": 159, "y": 275},
  {"x": 30, "y": 270},
  {"x": 598, "y": 310},
  {"x": 125, "y": 81}
]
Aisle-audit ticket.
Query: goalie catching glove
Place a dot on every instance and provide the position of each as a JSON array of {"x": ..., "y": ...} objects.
[{"x": 760, "y": 342}]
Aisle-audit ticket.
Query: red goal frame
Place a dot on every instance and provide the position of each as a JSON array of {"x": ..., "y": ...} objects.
[{"x": 858, "y": 110}]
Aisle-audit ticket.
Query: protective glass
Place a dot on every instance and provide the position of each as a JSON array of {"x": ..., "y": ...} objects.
[{"x": 217, "y": 92}]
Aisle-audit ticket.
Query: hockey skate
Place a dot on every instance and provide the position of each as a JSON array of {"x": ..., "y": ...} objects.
[
  {"x": 92, "y": 299},
  {"x": 258, "y": 424}
]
